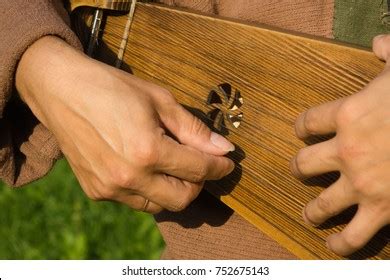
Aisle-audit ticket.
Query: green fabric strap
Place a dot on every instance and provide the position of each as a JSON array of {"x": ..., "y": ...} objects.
[{"x": 359, "y": 21}]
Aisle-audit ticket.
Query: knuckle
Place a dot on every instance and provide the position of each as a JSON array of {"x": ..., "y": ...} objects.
[
  {"x": 166, "y": 96},
  {"x": 348, "y": 150},
  {"x": 200, "y": 173},
  {"x": 166, "y": 93},
  {"x": 119, "y": 174},
  {"x": 186, "y": 198},
  {"x": 147, "y": 154},
  {"x": 180, "y": 205},
  {"x": 90, "y": 191},
  {"x": 93, "y": 195},
  {"x": 123, "y": 178},
  {"x": 347, "y": 112},
  {"x": 197, "y": 127},
  {"x": 362, "y": 183},
  {"x": 369, "y": 184},
  {"x": 379, "y": 204}
]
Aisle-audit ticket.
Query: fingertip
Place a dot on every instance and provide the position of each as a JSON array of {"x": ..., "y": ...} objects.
[
  {"x": 381, "y": 46},
  {"x": 338, "y": 244},
  {"x": 306, "y": 219},
  {"x": 225, "y": 167},
  {"x": 293, "y": 168},
  {"x": 299, "y": 126},
  {"x": 221, "y": 143},
  {"x": 330, "y": 244},
  {"x": 378, "y": 37},
  {"x": 155, "y": 210}
]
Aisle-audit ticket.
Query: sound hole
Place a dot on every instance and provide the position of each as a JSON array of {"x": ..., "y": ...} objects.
[{"x": 225, "y": 103}]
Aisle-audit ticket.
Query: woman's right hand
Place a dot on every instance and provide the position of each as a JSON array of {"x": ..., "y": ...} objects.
[{"x": 112, "y": 127}]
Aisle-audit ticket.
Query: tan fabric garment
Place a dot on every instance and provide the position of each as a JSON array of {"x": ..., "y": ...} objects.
[
  {"x": 207, "y": 229},
  {"x": 213, "y": 229}
]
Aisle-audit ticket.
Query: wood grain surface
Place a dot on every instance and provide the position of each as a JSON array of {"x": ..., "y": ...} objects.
[
  {"x": 120, "y": 5},
  {"x": 278, "y": 75}
]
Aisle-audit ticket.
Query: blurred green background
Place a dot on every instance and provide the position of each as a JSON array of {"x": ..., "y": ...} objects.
[{"x": 53, "y": 219}]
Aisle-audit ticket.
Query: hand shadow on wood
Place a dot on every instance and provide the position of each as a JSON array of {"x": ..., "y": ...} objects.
[
  {"x": 207, "y": 208},
  {"x": 377, "y": 243}
]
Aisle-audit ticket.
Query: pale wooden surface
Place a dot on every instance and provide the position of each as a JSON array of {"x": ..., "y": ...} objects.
[
  {"x": 120, "y": 5},
  {"x": 279, "y": 76}
]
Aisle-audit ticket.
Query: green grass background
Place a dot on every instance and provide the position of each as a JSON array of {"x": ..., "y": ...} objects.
[{"x": 53, "y": 219}]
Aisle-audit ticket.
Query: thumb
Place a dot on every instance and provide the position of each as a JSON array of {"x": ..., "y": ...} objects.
[
  {"x": 191, "y": 131},
  {"x": 381, "y": 47}
]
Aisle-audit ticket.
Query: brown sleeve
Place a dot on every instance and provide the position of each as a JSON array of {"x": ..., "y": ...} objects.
[{"x": 27, "y": 149}]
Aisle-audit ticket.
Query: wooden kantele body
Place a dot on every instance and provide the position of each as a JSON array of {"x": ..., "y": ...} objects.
[{"x": 278, "y": 75}]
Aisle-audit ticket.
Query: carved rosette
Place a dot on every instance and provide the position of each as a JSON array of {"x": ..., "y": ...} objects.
[{"x": 225, "y": 103}]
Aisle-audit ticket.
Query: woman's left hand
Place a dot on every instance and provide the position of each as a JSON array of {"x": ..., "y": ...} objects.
[{"x": 360, "y": 151}]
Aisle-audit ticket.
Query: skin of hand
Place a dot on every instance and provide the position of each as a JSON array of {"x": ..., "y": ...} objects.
[
  {"x": 360, "y": 151},
  {"x": 114, "y": 129}
]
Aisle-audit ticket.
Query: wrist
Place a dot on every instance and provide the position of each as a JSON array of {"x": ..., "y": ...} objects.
[{"x": 45, "y": 71}]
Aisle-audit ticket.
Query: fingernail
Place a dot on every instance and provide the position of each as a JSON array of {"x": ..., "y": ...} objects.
[
  {"x": 306, "y": 220},
  {"x": 232, "y": 167},
  {"x": 304, "y": 216},
  {"x": 378, "y": 37},
  {"x": 327, "y": 245},
  {"x": 221, "y": 142}
]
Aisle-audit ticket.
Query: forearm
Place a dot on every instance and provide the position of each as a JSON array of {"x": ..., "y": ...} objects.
[
  {"x": 28, "y": 149},
  {"x": 47, "y": 72},
  {"x": 112, "y": 128}
]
